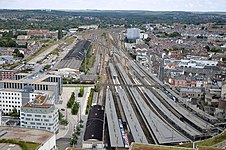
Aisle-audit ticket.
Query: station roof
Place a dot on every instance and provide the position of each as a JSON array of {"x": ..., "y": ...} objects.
[{"x": 94, "y": 125}]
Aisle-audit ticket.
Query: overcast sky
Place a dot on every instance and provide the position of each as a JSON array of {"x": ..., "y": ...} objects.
[{"x": 153, "y": 5}]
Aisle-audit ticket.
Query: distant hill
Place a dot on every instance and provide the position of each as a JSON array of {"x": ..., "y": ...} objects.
[{"x": 103, "y": 17}]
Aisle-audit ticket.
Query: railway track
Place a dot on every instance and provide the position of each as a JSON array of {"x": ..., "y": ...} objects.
[{"x": 153, "y": 124}]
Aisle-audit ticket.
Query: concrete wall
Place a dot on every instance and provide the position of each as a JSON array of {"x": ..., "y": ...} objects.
[{"x": 50, "y": 144}]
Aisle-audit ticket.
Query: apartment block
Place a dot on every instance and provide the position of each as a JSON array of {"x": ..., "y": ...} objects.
[{"x": 6, "y": 74}]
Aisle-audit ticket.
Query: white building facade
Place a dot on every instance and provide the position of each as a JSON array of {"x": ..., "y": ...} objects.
[
  {"x": 11, "y": 98},
  {"x": 40, "y": 115},
  {"x": 133, "y": 33}
]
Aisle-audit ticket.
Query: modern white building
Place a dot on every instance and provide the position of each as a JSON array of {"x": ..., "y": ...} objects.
[
  {"x": 40, "y": 114},
  {"x": 133, "y": 33},
  {"x": 189, "y": 63},
  {"x": 87, "y": 27},
  {"x": 143, "y": 36},
  {"x": 38, "y": 82},
  {"x": 15, "y": 98},
  {"x": 73, "y": 30}
]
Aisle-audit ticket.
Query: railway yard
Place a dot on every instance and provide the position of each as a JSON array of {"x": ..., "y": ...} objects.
[{"x": 139, "y": 108}]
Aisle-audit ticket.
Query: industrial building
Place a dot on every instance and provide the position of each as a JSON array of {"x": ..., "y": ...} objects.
[
  {"x": 71, "y": 63},
  {"x": 93, "y": 136}
]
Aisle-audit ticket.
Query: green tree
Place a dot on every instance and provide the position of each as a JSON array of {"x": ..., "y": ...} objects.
[
  {"x": 75, "y": 108},
  {"x": 81, "y": 92},
  {"x": 18, "y": 53},
  {"x": 60, "y": 33},
  {"x": 71, "y": 100},
  {"x": 14, "y": 112},
  {"x": 89, "y": 103}
]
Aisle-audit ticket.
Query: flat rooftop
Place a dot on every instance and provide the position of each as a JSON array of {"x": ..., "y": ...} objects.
[
  {"x": 33, "y": 82},
  {"x": 21, "y": 90},
  {"x": 25, "y": 134}
]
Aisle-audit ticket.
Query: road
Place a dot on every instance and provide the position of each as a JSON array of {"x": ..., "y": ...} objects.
[
  {"x": 65, "y": 135},
  {"x": 43, "y": 54}
]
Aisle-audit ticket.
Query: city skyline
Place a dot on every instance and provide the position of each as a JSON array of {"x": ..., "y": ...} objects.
[{"x": 169, "y": 5}]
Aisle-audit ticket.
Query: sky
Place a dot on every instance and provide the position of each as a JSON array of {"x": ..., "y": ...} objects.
[{"x": 152, "y": 5}]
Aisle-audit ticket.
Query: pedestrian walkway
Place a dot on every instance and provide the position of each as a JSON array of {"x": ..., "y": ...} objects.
[{"x": 62, "y": 131}]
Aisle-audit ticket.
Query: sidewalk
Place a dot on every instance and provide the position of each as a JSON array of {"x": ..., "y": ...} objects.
[{"x": 62, "y": 131}]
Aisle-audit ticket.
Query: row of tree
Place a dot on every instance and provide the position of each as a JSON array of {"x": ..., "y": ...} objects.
[
  {"x": 71, "y": 100},
  {"x": 73, "y": 104},
  {"x": 81, "y": 92},
  {"x": 8, "y": 43}
]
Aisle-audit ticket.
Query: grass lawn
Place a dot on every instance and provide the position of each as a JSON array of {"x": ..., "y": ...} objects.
[
  {"x": 32, "y": 146},
  {"x": 74, "y": 148},
  {"x": 22, "y": 144},
  {"x": 69, "y": 86},
  {"x": 209, "y": 142},
  {"x": 156, "y": 147}
]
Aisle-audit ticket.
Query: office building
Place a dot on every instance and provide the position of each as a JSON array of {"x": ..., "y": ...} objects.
[
  {"x": 39, "y": 82},
  {"x": 133, "y": 33},
  {"x": 40, "y": 114}
]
